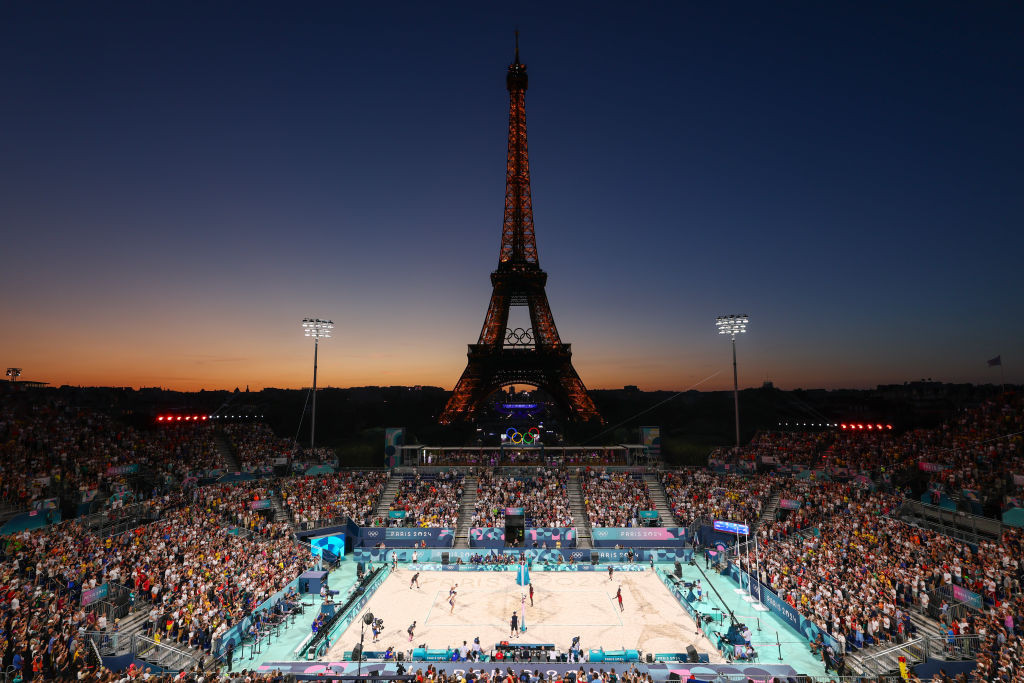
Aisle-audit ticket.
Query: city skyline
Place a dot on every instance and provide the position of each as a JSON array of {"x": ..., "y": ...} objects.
[{"x": 186, "y": 183}]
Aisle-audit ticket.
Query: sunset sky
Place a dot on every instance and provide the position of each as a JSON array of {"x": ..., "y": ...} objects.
[{"x": 181, "y": 183}]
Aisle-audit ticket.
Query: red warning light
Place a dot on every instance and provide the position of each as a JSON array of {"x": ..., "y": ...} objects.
[
  {"x": 888, "y": 426},
  {"x": 843, "y": 425},
  {"x": 204, "y": 417}
]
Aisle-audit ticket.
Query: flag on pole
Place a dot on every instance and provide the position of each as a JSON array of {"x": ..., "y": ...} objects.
[{"x": 998, "y": 360}]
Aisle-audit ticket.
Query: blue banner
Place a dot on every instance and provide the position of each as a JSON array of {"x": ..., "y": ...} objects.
[
  {"x": 731, "y": 527},
  {"x": 640, "y": 537},
  {"x": 402, "y": 537}
]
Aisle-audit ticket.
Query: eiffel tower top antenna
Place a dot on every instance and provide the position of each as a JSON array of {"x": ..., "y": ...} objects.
[{"x": 517, "y": 46}]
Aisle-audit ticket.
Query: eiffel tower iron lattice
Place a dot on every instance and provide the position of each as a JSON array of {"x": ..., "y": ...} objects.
[{"x": 503, "y": 356}]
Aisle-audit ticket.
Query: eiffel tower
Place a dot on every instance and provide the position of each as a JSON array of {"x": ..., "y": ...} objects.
[{"x": 535, "y": 356}]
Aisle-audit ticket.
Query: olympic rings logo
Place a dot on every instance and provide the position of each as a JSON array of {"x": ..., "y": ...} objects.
[{"x": 531, "y": 436}]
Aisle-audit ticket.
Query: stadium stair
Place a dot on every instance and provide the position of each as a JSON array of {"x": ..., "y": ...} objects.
[
  {"x": 768, "y": 514},
  {"x": 466, "y": 511},
  {"x": 227, "y": 452},
  {"x": 387, "y": 496},
  {"x": 657, "y": 491},
  {"x": 579, "y": 513},
  {"x": 280, "y": 512},
  {"x": 884, "y": 657},
  {"x": 129, "y": 625}
]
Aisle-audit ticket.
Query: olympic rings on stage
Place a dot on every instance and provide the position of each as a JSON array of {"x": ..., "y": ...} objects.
[{"x": 531, "y": 436}]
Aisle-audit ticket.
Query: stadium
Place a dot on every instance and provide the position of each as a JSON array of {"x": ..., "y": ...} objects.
[
  {"x": 209, "y": 544},
  {"x": 185, "y": 177}
]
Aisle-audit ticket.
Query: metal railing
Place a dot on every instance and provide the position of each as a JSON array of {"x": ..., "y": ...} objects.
[
  {"x": 167, "y": 656},
  {"x": 106, "y": 642},
  {"x": 955, "y": 609},
  {"x": 953, "y": 648},
  {"x": 957, "y": 524},
  {"x": 876, "y": 663}
]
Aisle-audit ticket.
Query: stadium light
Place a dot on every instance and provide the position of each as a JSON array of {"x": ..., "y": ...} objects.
[
  {"x": 733, "y": 325},
  {"x": 14, "y": 374},
  {"x": 317, "y": 329}
]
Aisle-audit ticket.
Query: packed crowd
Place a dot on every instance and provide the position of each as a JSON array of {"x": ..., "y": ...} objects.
[
  {"x": 702, "y": 495},
  {"x": 244, "y": 506},
  {"x": 429, "y": 501},
  {"x": 860, "y": 578},
  {"x": 51, "y": 449},
  {"x": 543, "y": 493},
  {"x": 313, "y": 499},
  {"x": 256, "y": 445},
  {"x": 198, "y": 575},
  {"x": 614, "y": 499},
  {"x": 979, "y": 450},
  {"x": 817, "y": 501}
]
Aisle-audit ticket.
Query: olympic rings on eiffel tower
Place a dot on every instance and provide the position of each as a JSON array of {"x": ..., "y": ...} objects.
[{"x": 531, "y": 436}]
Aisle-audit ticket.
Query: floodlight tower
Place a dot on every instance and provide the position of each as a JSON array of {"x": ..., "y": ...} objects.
[
  {"x": 733, "y": 325},
  {"x": 317, "y": 329},
  {"x": 14, "y": 374}
]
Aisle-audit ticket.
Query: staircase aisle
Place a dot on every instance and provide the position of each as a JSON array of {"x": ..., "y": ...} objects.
[
  {"x": 665, "y": 516},
  {"x": 768, "y": 514},
  {"x": 579, "y": 513},
  {"x": 281, "y": 513},
  {"x": 466, "y": 511},
  {"x": 885, "y": 656},
  {"x": 388, "y": 495},
  {"x": 226, "y": 452}
]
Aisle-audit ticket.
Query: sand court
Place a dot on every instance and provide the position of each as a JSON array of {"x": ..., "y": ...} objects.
[{"x": 566, "y": 604}]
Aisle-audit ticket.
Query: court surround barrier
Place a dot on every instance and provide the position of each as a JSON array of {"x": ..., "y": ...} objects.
[
  {"x": 344, "y": 670},
  {"x": 494, "y": 537},
  {"x": 536, "y": 556}
]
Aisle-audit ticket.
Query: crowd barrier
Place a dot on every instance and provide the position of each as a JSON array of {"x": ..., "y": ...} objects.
[
  {"x": 494, "y": 537},
  {"x": 657, "y": 671},
  {"x": 537, "y": 556}
]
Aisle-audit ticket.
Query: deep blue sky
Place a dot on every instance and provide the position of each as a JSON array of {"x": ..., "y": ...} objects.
[{"x": 181, "y": 183}]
